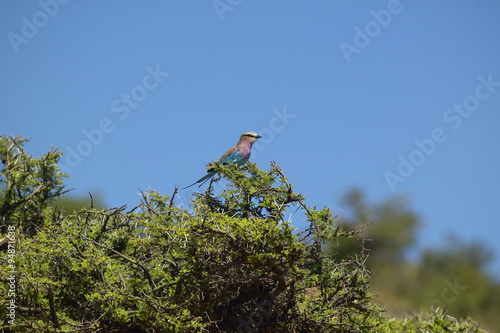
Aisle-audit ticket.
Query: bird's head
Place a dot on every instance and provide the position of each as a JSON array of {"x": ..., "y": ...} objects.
[{"x": 250, "y": 137}]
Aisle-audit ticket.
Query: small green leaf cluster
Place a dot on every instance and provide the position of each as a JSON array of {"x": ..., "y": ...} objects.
[{"x": 437, "y": 321}]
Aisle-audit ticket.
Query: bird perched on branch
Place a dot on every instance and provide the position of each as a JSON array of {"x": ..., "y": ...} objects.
[{"x": 239, "y": 154}]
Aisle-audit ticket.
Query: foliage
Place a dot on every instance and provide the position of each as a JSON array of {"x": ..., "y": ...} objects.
[
  {"x": 232, "y": 263},
  {"x": 28, "y": 184}
]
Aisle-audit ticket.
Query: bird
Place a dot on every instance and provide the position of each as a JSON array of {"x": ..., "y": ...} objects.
[{"x": 238, "y": 154}]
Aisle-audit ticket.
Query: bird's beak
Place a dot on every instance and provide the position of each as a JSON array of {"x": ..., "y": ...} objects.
[{"x": 258, "y": 137}]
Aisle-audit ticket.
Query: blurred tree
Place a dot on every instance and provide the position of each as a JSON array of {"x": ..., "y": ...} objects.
[
  {"x": 453, "y": 276},
  {"x": 392, "y": 217},
  {"x": 68, "y": 204},
  {"x": 455, "y": 253}
]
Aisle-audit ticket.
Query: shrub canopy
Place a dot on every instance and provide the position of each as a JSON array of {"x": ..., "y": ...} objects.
[{"x": 232, "y": 262}]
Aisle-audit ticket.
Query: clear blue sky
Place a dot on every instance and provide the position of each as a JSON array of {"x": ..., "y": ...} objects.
[{"x": 341, "y": 91}]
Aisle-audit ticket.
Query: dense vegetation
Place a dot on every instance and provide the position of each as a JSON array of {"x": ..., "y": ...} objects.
[{"x": 233, "y": 262}]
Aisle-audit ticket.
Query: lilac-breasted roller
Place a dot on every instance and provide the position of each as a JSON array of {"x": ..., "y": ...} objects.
[{"x": 239, "y": 154}]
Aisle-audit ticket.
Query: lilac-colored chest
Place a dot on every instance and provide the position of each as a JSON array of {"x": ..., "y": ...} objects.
[{"x": 245, "y": 148}]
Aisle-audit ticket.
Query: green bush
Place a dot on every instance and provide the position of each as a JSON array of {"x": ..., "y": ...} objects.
[{"x": 231, "y": 263}]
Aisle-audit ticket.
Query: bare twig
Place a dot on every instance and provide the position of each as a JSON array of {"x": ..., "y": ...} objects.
[
  {"x": 171, "y": 203},
  {"x": 52, "y": 307}
]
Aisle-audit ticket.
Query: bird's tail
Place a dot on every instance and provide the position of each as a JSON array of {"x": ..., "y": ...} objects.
[{"x": 202, "y": 180}]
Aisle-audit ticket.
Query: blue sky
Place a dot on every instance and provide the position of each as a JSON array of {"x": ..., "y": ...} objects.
[{"x": 393, "y": 97}]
